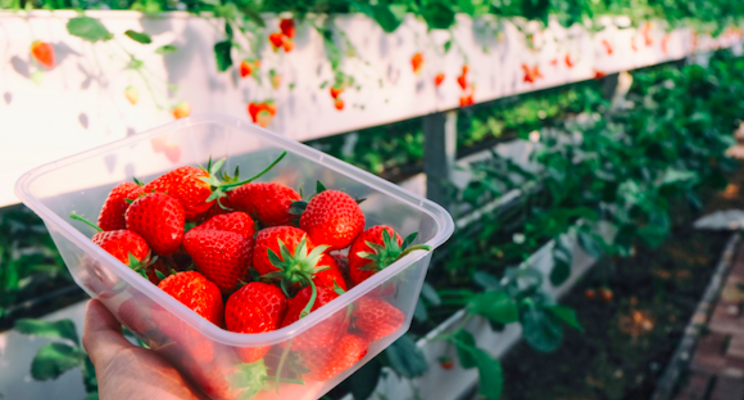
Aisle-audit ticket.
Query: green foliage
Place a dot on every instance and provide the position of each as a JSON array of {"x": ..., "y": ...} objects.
[
  {"x": 139, "y": 37},
  {"x": 89, "y": 29},
  {"x": 223, "y": 56},
  {"x": 29, "y": 261},
  {"x": 55, "y": 358},
  {"x": 405, "y": 358},
  {"x": 64, "y": 329}
]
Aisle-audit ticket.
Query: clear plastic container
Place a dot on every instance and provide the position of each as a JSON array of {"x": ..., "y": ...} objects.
[{"x": 202, "y": 351}]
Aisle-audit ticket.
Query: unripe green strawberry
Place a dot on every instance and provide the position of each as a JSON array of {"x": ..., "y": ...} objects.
[
  {"x": 269, "y": 202},
  {"x": 332, "y": 218},
  {"x": 159, "y": 219},
  {"x": 325, "y": 333},
  {"x": 375, "y": 249},
  {"x": 194, "y": 291},
  {"x": 376, "y": 318},
  {"x": 255, "y": 308},
  {"x": 111, "y": 217},
  {"x": 326, "y": 363},
  {"x": 223, "y": 257}
]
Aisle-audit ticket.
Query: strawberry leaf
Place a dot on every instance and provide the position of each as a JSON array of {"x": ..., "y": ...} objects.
[
  {"x": 319, "y": 187},
  {"x": 64, "y": 329}
]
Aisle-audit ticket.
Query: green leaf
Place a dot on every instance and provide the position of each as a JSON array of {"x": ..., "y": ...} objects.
[
  {"x": 53, "y": 359},
  {"x": 489, "y": 370},
  {"x": 363, "y": 382},
  {"x": 486, "y": 280},
  {"x": 385, "y": 17},
  {"x": 438, "y": 15},
  {"x": 420, "y": 313},
  {"x": 165, "y": 49},
  {"x": 89, "y": 29},
  {"x": 465, "y": 342},
  {"x": 92, "y": 396},
  {"x": 495, "y": 305},
  {"x": 560, "y": 272},
  {"x": 567, "y": 315},
  {"x": 589, "y": 244},
  {"x": 64, "y": 329},
  {"x": 674, "y": 176},
  {"x": 139, "y": 37},
  {"x": 490, "y": 375},
  {"x": 447, "y": 47},
  {"x": 223, "y": 56},
  {"x": 406, "y": 358},
  {"x": 540, "y": 330}
]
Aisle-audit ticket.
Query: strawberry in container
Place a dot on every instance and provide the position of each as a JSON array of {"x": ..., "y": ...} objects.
[{"x": 248, "y": 290}]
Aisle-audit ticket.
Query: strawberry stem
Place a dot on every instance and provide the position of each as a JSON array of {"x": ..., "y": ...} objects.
[
  {"x": 81, "y": 219},
  {"x": 424, "y": 247},
  {"x": 309, "y": 306},
  {"x": 233, "y": 185},
  {"x": 285, "y": 354}
]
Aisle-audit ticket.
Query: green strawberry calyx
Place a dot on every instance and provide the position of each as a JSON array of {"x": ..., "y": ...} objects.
[
  {"x": 252, "y": 378},
  {"x": 389, "y": 252},
  {"x": 298, "y": 268},
  {"x": 221, "y": 183}
]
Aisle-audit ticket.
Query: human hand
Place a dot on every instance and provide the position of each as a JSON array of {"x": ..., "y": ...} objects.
[{"x": 125, "y": 371}]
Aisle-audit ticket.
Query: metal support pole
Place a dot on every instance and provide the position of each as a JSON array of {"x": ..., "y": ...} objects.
[{"x": 440, "y": 146}]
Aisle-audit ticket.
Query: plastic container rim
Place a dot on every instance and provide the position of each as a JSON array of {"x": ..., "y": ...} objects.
[{"x": 445, "y": 227}]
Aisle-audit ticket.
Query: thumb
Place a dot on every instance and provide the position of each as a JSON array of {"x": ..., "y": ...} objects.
[{"x": 102, "y": 336}]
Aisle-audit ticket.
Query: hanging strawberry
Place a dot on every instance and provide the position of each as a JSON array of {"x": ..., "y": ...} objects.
[
  {"x": 132, "y": 94},
  {"x": 417, "y": 62},
  {"x": 569, "y": 62},
  {"x": 277, "y": 40},
  {"x": 438, "y": 79},
  {"x": 43, "y": 53},
  {"x": 607, "y": 46},
  {"x": 339, "y": 104},
  {"x": 287, "y": 26},
  {"x": 182, "y": 110},
  {"x": 276, "y": 79}
]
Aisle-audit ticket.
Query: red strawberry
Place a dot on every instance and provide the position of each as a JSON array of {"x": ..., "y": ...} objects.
[
  {"x": 288, "y": 45},
  {"x": 332, "y": 218},
  {"x": 182, "y": 110},
  {"x": 255, "y": 308},
  {"x": 276, "y": 39},
  {"x": 268, "y": 240},
  {"x": 245, "y": 69},
  {"x": 158, "y": 270},
  {"x": 159, "y": 219},
  {"x": 376, "y": 318},
  {"x": 127, "y": 246},
  {"x": 43, "y": 53},
  {"x": 336, "y": 91},
  {"x": 111, "y": 217},
  {"x": 331, "y": 276},
  {"x": 324, "y": 364},
  {"x": 438, "y": 79},
  {"x": 223, "y": 257},
  {"x": 325, "y": 333},
  {"x": 197, "y": 189},
  {"x": 194, "y": 291},
  {"x": 375, "y": 249},
  {"x": 462, "y": 82},
  {"x": 270, "y": 202},
  {"x": 569, "y": 62},
  {"x": 287, "y": 26},
  {"x": 263, "y": 119},
  {"x": 417, "y": 62},
  {"x": 339, "y": 104},
  {"x": 237, "y": 222},
  {"x": 286, "y": 254},
  {"x": 185, "y": 184}
]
